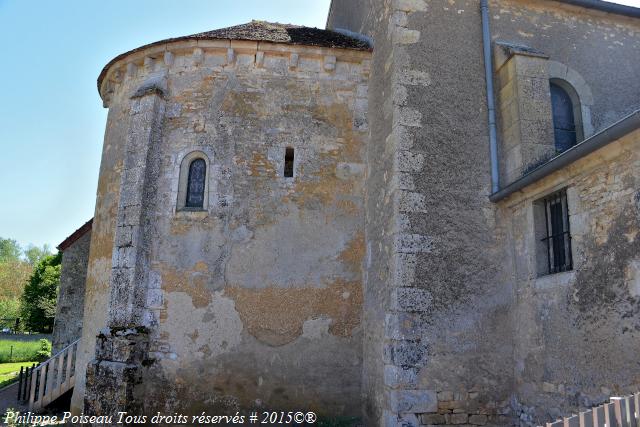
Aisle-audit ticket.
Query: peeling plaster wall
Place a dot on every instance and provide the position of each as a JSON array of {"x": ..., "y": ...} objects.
[
  {"x": 67, "y": 325},
  {"x": 267, "y": 281},
  {"x": 96, "y": 296},
  {"x": 256, "y": 300},
  {"x": 577, "y": 333},
  {"x": 372, "y": 18}
]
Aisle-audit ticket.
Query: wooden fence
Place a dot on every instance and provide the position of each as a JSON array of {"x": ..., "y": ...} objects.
[
  {"x": 619, "y": 412},
  {"x": 24, "y": 382},
  {"x": 42, "y": 384}
]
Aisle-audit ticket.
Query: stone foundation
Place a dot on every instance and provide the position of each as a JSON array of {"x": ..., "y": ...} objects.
[{"x": 114, "y": 378}]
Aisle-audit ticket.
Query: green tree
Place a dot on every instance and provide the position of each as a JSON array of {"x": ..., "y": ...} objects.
[
  {"x": 9, "y": 312},
  {"x": 13, "y": 277},
  {"x": 9, "y": 308},
  {"x": 40, "y": 294},
  {"x": 9, "y": 250},
  {"x": 13, "y": 273},
  {"x": 34, "y": 254}
]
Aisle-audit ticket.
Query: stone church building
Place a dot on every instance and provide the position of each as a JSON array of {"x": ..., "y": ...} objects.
[{"x": 427, "y": 214}]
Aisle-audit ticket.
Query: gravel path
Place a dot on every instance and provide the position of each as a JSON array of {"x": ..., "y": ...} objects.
[{"x": 8, "y": 399}]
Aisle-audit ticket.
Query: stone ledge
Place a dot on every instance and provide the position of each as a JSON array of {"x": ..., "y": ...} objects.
[{"x": 172, "y": 53}]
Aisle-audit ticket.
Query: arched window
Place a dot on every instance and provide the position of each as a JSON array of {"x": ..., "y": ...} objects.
[
  {"x": 564, "y": 120},
  {"x": 196, "y": 184}
]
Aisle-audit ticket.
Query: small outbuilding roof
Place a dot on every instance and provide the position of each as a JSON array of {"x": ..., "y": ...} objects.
[
  {"x": 264, "y": 31},
  {"x": 75, "y": 235}
]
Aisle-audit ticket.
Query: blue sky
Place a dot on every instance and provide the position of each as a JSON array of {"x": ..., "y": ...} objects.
[{"x": 51, "y": 117}]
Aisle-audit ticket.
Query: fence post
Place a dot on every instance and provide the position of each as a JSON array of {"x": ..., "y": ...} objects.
[
  {"x": 610, "y": 415},
  {"x": 26, "y": 384},
  {"x": 20, "y": 382},
  {"x": 573, "y": 421},
  {"x": 586, "y": 419},
  {"x": 629, "y": 412},
  {"x": 620, "y": 411},
  {"x": 598, "y": 417},
  {"x": 32, "y": 386},
  {"x": 33, "y": 368}
]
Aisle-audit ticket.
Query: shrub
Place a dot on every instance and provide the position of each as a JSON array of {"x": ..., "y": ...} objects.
[{"x": 45, "y": 350}]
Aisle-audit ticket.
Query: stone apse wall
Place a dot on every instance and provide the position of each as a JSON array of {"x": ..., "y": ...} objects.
[
  {"x": 257, "y": 299},
  {"x": 464, "y": 339}
]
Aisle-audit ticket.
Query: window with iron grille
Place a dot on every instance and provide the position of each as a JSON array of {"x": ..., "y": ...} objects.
[{"x": 556, "y": 240}]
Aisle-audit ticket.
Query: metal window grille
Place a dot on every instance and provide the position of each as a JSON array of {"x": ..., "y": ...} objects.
[{"x": 558, "y": 236}]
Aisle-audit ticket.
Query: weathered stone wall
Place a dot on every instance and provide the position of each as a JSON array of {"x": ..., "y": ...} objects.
[
  {"x": 570, "y": 348},
  {"x": 449, "y": 348},
  {"x": 371, "y": 18},
  {"x": 67, "y": 326},
  {"x": 255, "y": 301},
  {"x": 446, "y": 335},
  {"x": 258, "y": 300},
  {"x": 96, "y": 299},
  {"x": 524, "y": 105},
  {"x": 536, "y": 42},
  {"x": 456, "y": 251},
  {"x": 577, "y": 332},
  {"x": 600, "y": 49}
]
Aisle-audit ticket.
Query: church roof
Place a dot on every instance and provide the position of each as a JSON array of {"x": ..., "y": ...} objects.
[
  {"x": 283, "y": 33},
  {"x": 264, "y": 31}
]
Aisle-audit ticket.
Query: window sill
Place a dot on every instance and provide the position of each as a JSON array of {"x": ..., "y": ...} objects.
[
  {"x": 551, "y": 281},
  {"x": 192, "y": 213}
]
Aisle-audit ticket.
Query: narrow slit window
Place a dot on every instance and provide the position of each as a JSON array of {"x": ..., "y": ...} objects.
[
  {"x": 196, "y": 184},
  {"x": 288, "y": 162}
]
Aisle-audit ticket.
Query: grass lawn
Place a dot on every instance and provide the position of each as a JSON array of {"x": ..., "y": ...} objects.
[
  {"x": 9, "y": 372},
  {"x": 18, "y": 351}
]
